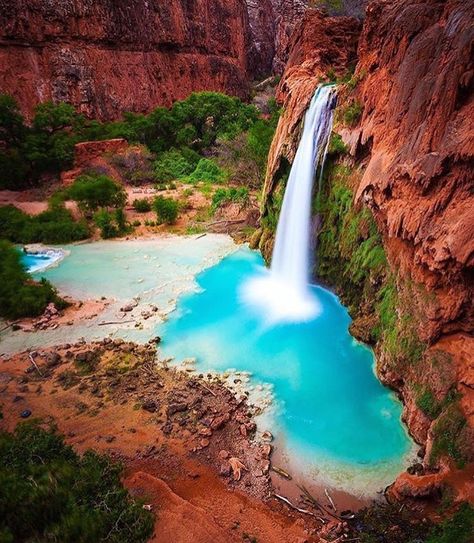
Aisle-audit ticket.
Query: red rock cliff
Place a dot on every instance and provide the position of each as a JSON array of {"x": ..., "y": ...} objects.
[
  {"x": 106, "y": 57},
  {"x": 318, "y": 44},
  {"x": 417, "y": 125},
  {"x": 414, "y": 144}
]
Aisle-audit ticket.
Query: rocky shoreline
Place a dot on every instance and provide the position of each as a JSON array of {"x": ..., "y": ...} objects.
[{"x": 81, "y": 387}]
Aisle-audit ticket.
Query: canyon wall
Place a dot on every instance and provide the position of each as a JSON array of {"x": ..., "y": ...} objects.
[
  {"x": 109, "y": 56},
  {"x": 401, "y": 254}
]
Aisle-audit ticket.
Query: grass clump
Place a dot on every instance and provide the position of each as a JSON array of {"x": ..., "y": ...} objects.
[
  {"x": 49, "y": 493},
  {"x": 166, "y": 209},
  {"x": 232, "y": 194}
]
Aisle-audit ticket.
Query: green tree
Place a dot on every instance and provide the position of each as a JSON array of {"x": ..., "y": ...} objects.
[
  {"x": 20, "y": 296},
  {"x": 49, "y": 493},
  {"x": 95, "y": 191}
]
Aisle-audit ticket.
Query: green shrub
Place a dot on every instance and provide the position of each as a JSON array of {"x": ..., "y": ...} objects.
[
  {"x": 456, "y": 529},
  {"x": 20, "y": 296},
  {"x": 166, "y": 209},
  {"x": 208, "y": 172},
  {"x": 232, "y": 194},
  {"x": 53, "y": 226},
  {"x": 94, "y": 191},
  {"x": 111, "y": 224},
  {"x": 142, "y": 205},
  {"x": 49, "y": 493},
  {"x": 352, "y": 114},
  {"x": 174, "y": 164}
]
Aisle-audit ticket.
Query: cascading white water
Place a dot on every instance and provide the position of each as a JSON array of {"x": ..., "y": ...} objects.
[
  {"x": 290, "y": 260},
  {"x": 285, "y": 293}
]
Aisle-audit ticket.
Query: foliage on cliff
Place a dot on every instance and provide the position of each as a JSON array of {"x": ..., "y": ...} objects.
[
  {"x": 49, "y": 493},
  {"x": 20, "y": 296},
  {"x": 178, "y": 136}
]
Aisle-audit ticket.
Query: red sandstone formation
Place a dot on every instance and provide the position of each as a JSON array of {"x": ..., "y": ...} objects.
[
  {"x": 418, "y": 124},
  {"x": 318, "y": 44},
  {"x": 415, "y": 140},
  {"x": 106, "y": 58}
]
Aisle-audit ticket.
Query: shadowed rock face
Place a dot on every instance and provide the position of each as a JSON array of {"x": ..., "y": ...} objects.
[{"x": 107, "y": 56}]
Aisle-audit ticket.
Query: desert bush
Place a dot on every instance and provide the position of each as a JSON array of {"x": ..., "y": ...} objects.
[
  {"x": 142, "y": 205},
  {"x": 166, "y": 209},
  {"x": 49, "y": 493}
]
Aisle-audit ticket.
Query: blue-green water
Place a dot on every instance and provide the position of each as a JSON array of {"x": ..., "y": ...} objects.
[
  {"x": 335, "y": 420},
  {"x": 330, "y": 407},
  {"x": 40, "y": 261}
]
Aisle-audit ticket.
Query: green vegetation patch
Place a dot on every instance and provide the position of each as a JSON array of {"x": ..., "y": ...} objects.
[
  {"x": 49, "y": 493},
  {"x": 207, "y": 171},
  {"x": 20, "y": 296},
  {"x": 447, "y": 435},
  {"x": 53, "y": 226},
  {"x": 166, "y": 209},
  {"x": 92, "y": 191},
  {"x": 142, "y": 205},
  {"x": 232, "y": 194}
]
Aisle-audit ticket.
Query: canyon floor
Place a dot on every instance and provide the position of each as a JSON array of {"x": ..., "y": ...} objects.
[{"x": 186, "y": 442}]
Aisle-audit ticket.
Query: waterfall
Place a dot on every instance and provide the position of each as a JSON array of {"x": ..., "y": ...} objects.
[
  {"x": 285, "y": 293},
  {"x": 291, "y": 259}
]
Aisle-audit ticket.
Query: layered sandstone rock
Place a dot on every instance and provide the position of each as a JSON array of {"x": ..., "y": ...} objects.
[
  {"x": 319, "y": 44},
  {"x": 108, "y": 57},
  {"x": 414, "y": 145},
  {"x": 418, "y": 120}
]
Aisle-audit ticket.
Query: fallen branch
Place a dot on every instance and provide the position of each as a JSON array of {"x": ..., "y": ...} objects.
[
  {"x": 106, "y": 323},
  {"x": 208, "y": 389},
  {"x": 30, "y": 355},
  {"x": 299, "y": 509},
  {"x": 201, "y": 236},
  {"x": 316, "y": 504},
  {"x": 6, "y": 327},
  {"x": 330, "y": 500},
  {"x": 226, "y": 221},
  {"x": 281, "y": 472}
]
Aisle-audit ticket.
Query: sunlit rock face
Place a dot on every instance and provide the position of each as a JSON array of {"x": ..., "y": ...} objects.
[
  {"x": 418, "y": 120},
  {"x": 108, "y": 57},
  {"x": 318, "y": 44}
]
